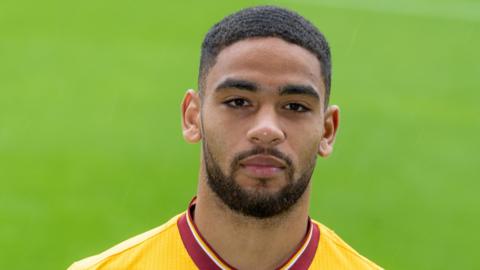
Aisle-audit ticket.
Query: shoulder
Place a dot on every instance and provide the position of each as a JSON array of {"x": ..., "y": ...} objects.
[
  {"x": 332, "y": 250},
  {"x": 135, "y": 245}
]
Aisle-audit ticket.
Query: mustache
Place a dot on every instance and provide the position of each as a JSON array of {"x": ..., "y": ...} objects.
[{"x": 263, "y": 151}]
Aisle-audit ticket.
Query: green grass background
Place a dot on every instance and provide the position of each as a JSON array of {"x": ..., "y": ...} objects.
[{"x": 91, "y": 151}]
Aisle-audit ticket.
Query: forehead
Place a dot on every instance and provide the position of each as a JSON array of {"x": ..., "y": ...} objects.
[{"x": 269, "y": 62}]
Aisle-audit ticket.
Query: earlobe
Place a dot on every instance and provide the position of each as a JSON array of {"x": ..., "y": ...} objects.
[
  {"x": 330, "y": 127},
  {"x": 191, "y": 117},
  {"x": 324, "y": 150}
]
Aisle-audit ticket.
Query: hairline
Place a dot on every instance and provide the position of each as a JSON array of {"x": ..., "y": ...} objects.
[{"x": 203, "y": 72}]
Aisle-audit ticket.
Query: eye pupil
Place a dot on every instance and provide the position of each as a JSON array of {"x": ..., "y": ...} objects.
[
  {"x": 296, "y": 107},
  {"x": 239, "y": 102}
]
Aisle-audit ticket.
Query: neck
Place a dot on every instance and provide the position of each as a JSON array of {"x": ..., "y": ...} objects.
[{"x": 248, "y": 242}]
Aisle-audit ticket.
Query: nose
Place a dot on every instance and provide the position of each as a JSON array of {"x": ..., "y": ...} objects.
[{"x": 266, "y": 131}]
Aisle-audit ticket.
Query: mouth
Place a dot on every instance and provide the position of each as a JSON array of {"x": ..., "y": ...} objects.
[{"x": 263, "y": 166}]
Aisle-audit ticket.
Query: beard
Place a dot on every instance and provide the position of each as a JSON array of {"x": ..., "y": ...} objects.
[{"x": 256, "y": 203}]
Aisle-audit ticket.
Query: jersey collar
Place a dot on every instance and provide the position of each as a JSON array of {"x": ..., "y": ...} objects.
[{"x": 206, "y": 258}]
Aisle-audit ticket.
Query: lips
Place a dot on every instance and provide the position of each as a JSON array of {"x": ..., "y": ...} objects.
[{"x": 263, "y": 166}]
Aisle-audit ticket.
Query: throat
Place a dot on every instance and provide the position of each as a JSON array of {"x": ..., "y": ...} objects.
[{"x": 250, "y": 243}]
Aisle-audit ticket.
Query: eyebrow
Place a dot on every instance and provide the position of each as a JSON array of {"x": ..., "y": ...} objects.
[
  {"x": 293, "y": 89},
  {"x": 290, "y": 89},
  {"x": 237, "y": 84}
]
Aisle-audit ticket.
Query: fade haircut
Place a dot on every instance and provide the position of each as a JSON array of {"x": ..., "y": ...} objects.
[{"x": 264, "y": 21}]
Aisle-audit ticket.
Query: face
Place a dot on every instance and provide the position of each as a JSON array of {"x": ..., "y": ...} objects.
[{"x": 262, "y": 121}]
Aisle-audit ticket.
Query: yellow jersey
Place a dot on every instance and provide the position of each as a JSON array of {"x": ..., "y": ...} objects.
[{"x": 178, "y": 245}]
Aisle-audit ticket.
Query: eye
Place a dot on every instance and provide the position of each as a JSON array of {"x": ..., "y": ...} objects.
[
  {"x": 237, "y": 103},
  {"x": 296, "y": 107}
]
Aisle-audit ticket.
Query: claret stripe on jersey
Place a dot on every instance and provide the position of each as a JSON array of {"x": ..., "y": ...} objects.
[{"x": 206, "y": 258}]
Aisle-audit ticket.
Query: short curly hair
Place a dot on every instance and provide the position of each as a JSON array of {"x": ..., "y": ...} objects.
[{"x": 265, "y": 21}]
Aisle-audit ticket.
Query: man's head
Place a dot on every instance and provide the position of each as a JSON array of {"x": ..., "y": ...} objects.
[
  {"x": 262, "y": 115},
  {"x": 265, "y": 21}
]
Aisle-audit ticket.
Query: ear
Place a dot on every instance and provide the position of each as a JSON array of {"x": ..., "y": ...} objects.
[
  {"x": 330, "y": 127},
  {"x": 191, "y": 117}
]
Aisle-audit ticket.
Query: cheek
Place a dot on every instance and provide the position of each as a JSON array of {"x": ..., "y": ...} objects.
[
  {"x": 216, "y": 129},
  {"x": 220, "y": 138},
  {"x": 304, "y": 142},
  {"x": 223, "y": 126}
]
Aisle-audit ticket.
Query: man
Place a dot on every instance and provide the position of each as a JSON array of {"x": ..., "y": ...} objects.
[{"x": 262, "y": 116}]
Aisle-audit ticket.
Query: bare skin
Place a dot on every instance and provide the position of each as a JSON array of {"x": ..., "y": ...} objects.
[{"x": 276, "y": 101}]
